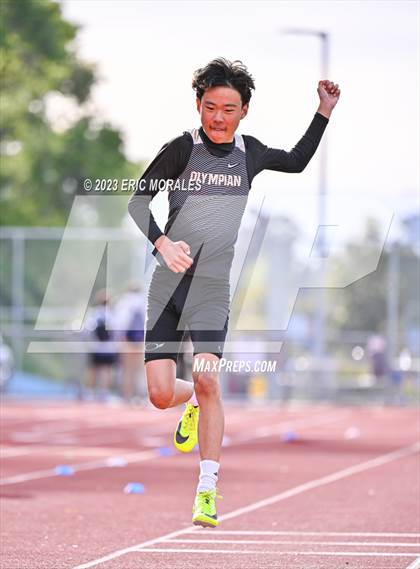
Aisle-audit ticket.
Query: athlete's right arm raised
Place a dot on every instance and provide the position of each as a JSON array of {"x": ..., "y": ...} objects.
[{"x": 168, "y": 164}]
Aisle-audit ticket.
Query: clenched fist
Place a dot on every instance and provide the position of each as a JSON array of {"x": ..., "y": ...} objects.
[
  {"x": 329, "y": 93},
  {"x": 175, "y": 254}
]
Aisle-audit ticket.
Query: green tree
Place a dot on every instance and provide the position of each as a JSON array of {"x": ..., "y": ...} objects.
[
  {"x": 362, "y": 306},
  {"x": 42, "y": 167}
]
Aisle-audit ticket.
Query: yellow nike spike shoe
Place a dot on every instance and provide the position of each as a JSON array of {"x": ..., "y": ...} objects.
[
  {"x": 204, "y": 509},
  {"x": 186, "y": 434}
]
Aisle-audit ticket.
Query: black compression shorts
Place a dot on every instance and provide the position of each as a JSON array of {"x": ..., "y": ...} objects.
[{"x": 178, "y": 302}]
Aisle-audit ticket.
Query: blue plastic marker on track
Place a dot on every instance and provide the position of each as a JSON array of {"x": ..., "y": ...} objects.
[
  {"x": 289, "y": 436},
  {"x": 165, "y": 451},
  {"x": 134, "y": 488},
  {"x": 64, "y": 470}
]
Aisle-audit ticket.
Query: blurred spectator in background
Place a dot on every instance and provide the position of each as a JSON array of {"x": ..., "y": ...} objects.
[
  {"x": 130, "y": 316},
  {"x": 103, "y": 355},
  {"x": 376, "y": 347},
  {"x": 400, "y": 376}
]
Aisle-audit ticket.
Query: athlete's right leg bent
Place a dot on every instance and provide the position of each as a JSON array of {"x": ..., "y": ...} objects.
[
  {"x": 165, "y": 390},
  {"x": 163, "y": 338}
]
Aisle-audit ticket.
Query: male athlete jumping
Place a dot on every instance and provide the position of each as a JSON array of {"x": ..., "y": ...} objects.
[{"x": 208, "y": 174}]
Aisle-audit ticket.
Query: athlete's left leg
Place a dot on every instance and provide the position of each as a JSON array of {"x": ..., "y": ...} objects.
[
  {"x": 207, "y": 310},
  {"x": 210, "y": 436},
  {"x": 207, "y": 390}
]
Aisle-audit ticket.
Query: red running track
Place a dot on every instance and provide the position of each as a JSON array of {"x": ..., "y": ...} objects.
[{"x": 343, "y": 495}]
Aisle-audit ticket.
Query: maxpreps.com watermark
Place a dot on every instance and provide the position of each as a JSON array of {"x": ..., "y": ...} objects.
[{"x": 234, "y": 366}]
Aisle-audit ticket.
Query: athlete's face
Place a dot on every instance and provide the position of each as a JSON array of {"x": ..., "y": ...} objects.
[{"x": 221, "y": 110}]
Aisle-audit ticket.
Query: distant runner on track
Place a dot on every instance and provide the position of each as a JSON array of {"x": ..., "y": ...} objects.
[{"x": 208, "y": 174}]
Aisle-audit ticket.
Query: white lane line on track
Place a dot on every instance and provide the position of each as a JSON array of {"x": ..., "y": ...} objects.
[
  {"x": 340, "y": 474},
  {"x": 135, "y": 457},
  {"x": 307, "y": 533},
  {"x": 258, "y": 552},
  {"x": 59, "y": 433},
  {"x": 152, "y": 422},
  {"x": 82, "y": 423},
  {"x": 415, "y": 564},
  {"x": 70, "y": 423},
  {"x": 378, "y": 461},
  {"x": 288, "y": 542},
  {"x": 6, "y": 452},
  {"x": 297, "y": 424},
  {"x": 51, "y": 418},
  {"x": 69, "y": 451},
  {"x": 150, "y": 454},
  {"x": 41, "y": 432}
]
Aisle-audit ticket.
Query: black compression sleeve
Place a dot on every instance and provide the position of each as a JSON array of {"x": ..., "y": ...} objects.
[
  {"x": 261, "y": 157},
  {"x": 169, "y": 163}
]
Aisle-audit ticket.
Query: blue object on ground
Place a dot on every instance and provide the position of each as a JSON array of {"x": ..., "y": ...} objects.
[
  {"x": 165, "y": 451},
  {"x": 134, "y": 488},
  {"x": 64, "y": 470},
  {"x": 289, "y": 436}
]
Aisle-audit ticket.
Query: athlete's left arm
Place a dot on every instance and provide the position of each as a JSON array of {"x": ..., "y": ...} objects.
[{"x": 261, "y": 157}]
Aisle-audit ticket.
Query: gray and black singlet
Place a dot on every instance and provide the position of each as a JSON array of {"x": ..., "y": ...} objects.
[
  {"x": 204, "y": 206},
  {"x": 208, "y": 187}
]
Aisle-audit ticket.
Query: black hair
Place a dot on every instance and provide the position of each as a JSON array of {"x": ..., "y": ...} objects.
[{"x": 224, "y": 73}]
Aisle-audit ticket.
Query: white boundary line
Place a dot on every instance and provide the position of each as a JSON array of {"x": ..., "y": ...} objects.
[
  {"x": 415, "y": 564},
  {"x": 40, "y": 432},
  {"x": 75, "y": 450},
  {"x": 307, "y": 533},
  {"x": 339, "y": 475},
  {"x": 248, "y": 551},
  {"x": 82, "y": 423},
  {"x": 289, "y": 542},
  {"x": 378, "y": 461},
  {"x": 12, "y": 452},
  {"x": 150, "y": 454},
  {"x": 298, "y": 424},
  {"x": 93, "y": 465}
]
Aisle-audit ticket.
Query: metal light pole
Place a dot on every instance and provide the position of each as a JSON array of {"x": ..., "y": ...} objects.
[
  {"x": 393, "y": 303},
  {"x": 320, "y": 319}
]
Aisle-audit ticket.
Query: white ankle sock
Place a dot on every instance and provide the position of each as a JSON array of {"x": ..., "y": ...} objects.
[
  {"x": 209, "y": 471},
  {"x": 193, "y": 400}
]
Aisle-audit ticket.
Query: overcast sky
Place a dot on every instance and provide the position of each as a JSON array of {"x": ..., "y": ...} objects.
[{"x": 145, "y": 54}]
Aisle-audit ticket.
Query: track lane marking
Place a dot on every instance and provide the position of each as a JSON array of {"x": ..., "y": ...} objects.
[
  {"x": 37, "y": 475},
  {"x": 82, "y": 423},
  {"x": 301, "y": 424},
  {"x": 11, "y": 452},
  {"x": 151, "y": 454},
  {"x": 316, "y": 483},
  {"x": 79, "y": 450},
  {"x": 339, "y": 475},
  {"x": 46, "y": 420},
  {"x": 248, "y": 551},
  {"x": 415, "y": 564},
  {"x": 288, "y": 542},
  {"x": 314, "y": 533}
]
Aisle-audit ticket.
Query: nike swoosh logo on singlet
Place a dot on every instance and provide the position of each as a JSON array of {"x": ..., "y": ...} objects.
[{"x": 233, "y": 165}]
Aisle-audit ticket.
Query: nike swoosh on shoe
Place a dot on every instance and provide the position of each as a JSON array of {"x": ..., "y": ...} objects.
[{"x": 179, "y": 438}]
